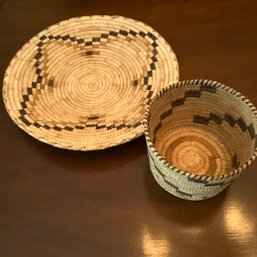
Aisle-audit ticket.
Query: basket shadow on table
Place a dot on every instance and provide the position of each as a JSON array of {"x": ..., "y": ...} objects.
[
  {"x": 179, "y": 210},
  {"x": 89, "y": 161}
]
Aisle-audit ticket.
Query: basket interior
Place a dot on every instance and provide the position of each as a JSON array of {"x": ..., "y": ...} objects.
[{"x": 203, "y": 129}]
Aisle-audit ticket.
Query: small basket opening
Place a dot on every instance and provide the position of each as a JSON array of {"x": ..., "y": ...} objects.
[{"x": 203, "y": 129}]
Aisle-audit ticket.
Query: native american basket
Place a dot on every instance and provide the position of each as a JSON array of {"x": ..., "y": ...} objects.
[
  {"x": 84, "y": 83},
  {"x": 200, "y": 136}
]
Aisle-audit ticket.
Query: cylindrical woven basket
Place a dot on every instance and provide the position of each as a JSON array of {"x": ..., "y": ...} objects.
[
  {"x": 84, "y": 83},
  {"x": 200, "y": 136}
]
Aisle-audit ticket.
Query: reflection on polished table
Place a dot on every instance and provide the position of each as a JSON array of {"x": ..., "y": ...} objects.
[{"x": 55, "y": 202}]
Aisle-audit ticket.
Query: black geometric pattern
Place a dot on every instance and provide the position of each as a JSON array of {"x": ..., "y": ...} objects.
[
  {"x": 203, "y": 119},
  {"x": 230, "y": 120},
  {"x": 80, "y": 41},
  {"x": 195, "y": 93}
]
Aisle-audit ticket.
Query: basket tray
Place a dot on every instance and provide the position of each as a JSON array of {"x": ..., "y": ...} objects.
[{"x": 83, "y": 83}]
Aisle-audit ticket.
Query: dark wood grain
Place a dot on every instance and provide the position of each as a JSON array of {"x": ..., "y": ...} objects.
[{"x": 57, "y": 203}]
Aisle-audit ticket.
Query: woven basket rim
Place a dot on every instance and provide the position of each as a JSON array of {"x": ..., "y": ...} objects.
[
  {"x": 184, "y": 83},
  {"x": 45, "y": 139}
]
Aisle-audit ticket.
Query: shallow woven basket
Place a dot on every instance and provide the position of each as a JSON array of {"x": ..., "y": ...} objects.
[
  {"x": 84, "y": 83},
  {"x": 200, "y": 136}
]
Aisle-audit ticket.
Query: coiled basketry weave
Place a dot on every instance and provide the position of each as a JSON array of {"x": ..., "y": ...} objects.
[
  {"x": 200, "y": 136},
  {"x": 83, "y": 83}
]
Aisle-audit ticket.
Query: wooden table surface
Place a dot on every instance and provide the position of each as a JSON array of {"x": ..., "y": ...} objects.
[{"x": 62, "y": 203}]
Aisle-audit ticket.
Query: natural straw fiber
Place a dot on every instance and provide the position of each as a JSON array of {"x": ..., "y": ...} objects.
[
  {"x": 83, "y": 83},
  {"x": 200, "y": 136}
]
